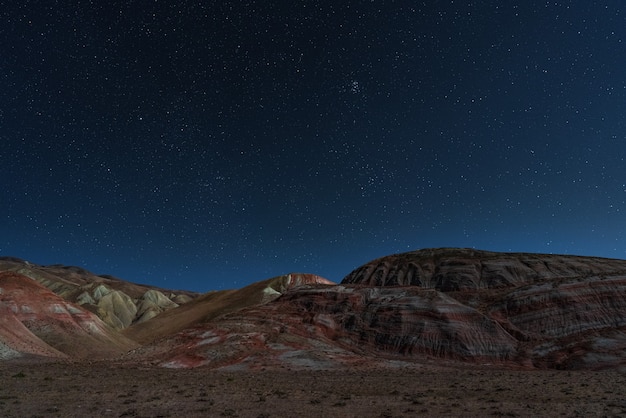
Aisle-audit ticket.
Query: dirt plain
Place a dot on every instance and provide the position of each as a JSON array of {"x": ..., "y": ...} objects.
[{"x": 115, "y": 390}]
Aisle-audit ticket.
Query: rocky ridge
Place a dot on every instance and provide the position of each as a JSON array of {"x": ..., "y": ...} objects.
[{"x": 452, "y": 269}]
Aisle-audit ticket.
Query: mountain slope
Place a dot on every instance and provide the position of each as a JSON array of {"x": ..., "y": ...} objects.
[
  {"x": 450, "y": 269},
  {"x": 34, "y": 320},
  {"x": 332, "y": 326},
  {"x": 214, "y": 304},
  {"x": 117, "y": 302}
]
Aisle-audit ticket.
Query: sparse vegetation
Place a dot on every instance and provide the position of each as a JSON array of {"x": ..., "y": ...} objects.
[{"x": 109, "y": 391}]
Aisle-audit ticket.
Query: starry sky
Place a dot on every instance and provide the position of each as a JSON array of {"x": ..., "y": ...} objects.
[{"x": 209, "y": 144}]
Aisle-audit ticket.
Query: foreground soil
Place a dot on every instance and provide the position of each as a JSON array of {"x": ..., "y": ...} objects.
[{"x": 101, "y": 390}]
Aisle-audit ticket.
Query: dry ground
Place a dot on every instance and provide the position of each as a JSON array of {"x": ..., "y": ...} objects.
[{"x": 109, "y": 390}]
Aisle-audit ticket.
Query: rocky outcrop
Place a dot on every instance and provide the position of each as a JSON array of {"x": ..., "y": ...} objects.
[
  {"x": 520, "y": 310},
  {"x": 151, "y": 304},
  {"x": 569, "y": 322},
  {"x": 117, "y": 309},
  {"x": 407, "y": 321},
  {"x": 120, "y": 311}
]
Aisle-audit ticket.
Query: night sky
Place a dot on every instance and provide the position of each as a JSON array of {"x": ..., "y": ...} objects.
[{"x": 210, "y": 144}]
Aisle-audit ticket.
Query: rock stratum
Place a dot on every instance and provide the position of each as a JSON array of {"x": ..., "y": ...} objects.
[{"x": 435, "y": 305}]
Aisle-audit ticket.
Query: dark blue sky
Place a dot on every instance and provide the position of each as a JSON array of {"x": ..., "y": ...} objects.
[{"x": 207, "y": 145}]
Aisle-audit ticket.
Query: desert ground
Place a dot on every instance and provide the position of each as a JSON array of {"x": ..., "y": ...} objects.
[{"x": 114, "y": 390}]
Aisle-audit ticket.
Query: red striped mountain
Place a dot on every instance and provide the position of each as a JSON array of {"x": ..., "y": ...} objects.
[
  {"x": 563, "y": 311},
  {"x": 435, "y": 305},
  {"x": 35, "y": 321},
  {"x": 117, "y": 302}
]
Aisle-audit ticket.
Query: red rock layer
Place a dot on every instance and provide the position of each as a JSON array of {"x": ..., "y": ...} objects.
[{"x": 407, "y": 321}]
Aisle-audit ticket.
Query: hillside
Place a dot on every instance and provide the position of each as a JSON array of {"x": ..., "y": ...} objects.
[{"x": 448, "y": 306}]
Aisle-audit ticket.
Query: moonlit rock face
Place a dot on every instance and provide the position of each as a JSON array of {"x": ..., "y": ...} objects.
[
  {"x": 58, "y": 309},
  {"x": 85, "y": 298},
  {"x": 100, "y": 291},
  {"x": 117, "y": 309},
  {"x": 7, "y": 353}
]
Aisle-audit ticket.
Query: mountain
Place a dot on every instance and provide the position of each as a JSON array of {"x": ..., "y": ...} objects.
[
  {"x": 562, "y": 311},
  {"x": 35, "y": 321},
  {"x": 213, "y": 304},
  {"x": 446, "y": 305},
  {"x": 117, "y": 302}
]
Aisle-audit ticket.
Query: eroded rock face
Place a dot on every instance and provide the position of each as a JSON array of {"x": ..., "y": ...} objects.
[
  {"x": 214, "y": 304},
  {"x": 117, "y": 309},
  {"x": 569, "y": 322},
  {"x": 151, "y": 304},
  {"x": 406, "y": 321}
]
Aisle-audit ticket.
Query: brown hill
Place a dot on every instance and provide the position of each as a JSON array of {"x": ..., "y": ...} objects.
[{"x": 333, "y": 326}]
